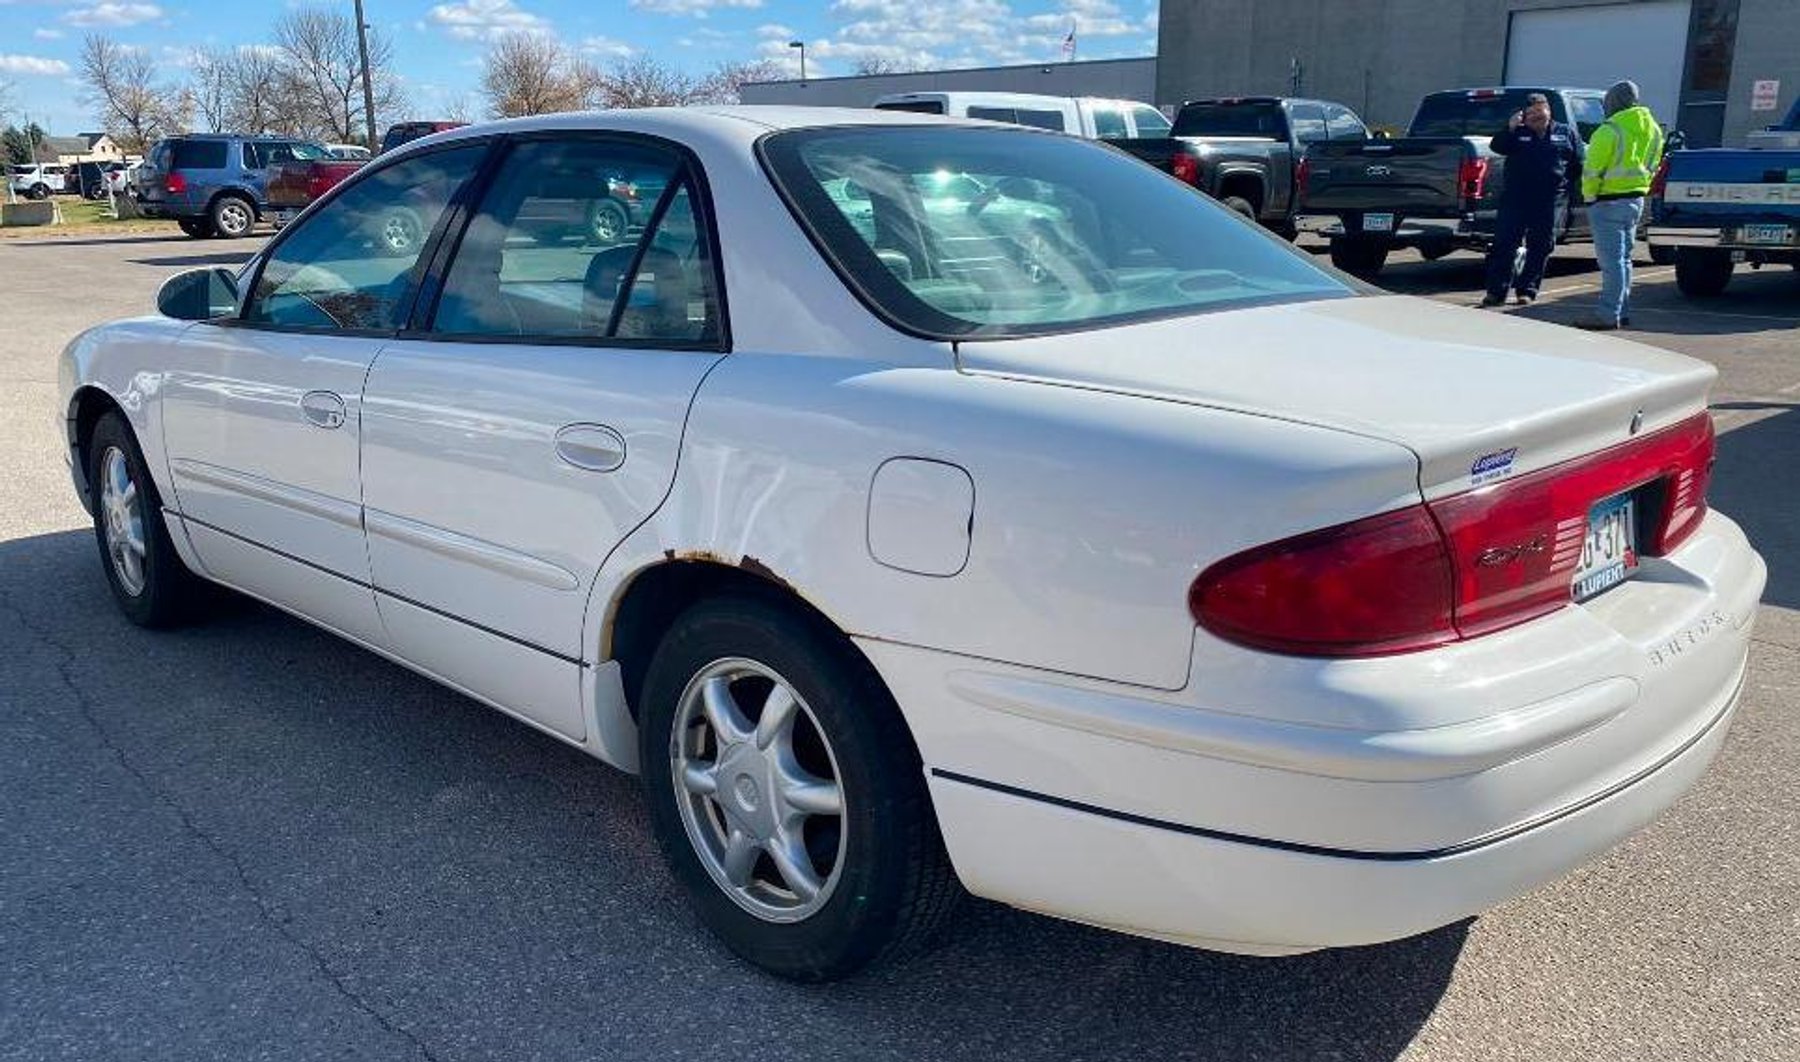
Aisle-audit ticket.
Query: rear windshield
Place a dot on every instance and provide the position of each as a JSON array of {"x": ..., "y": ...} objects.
[
  {"x": 197, "y": 155},
  {"x": 1231, "y": 119},
  {"x": 967, "y": 233},
  {"x": 913, "y": 106},
  {"x": 1461, "y": 114}
]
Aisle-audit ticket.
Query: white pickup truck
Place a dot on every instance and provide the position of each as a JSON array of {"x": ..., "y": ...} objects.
[
  {"x": 41, "y": 179},
  {"x": 1084, "y": 116}
]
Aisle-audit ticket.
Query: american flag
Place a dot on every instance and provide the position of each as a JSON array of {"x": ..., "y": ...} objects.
[{"x": 1068, "y": 44}]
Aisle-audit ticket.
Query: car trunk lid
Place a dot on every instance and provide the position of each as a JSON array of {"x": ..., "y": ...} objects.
[{"x": 1476, "y": 398}]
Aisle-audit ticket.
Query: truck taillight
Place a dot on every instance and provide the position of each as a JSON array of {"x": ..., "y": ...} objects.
[
  {"x": 1471, "y": 178},
  {"x": 1661, "y": 180},
  {"x": 175, "y": 184},
  {"x": 1302, "y": 171},
  {"x": 1455, "y": 568},
  {"x": 1185, "y": 168}
]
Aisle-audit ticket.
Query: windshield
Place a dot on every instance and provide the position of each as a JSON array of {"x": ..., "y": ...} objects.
[
  {"x": 961, "y": 233},
  {"x": 1231, "y": 119},
  {"x": 1461, "y": 114}
]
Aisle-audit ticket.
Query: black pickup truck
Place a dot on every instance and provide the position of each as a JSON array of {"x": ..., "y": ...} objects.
[
  {"x": 1437, "y": 188},
  {"x": 1242, "y": 151}
]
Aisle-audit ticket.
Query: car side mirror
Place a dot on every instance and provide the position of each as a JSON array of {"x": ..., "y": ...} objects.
[
  {"x": 198, "y": 295},
  {"x": 1677, "y": 140}
]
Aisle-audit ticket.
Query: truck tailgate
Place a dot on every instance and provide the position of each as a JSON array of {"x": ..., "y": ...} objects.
[
  {"x": 1726, "y": 186},
  {"x": 1413, "y": 176}
]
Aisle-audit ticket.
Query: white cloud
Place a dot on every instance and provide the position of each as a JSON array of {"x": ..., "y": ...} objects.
[
  {"x": 112, "y": 14},
  {"x": 43, "y": 34},
  {"x": 610, "y": 47},
  {"x": 690, "y": 8},
  {"x": 32, "y": 64},
  {"x": 473, "y": 20}
]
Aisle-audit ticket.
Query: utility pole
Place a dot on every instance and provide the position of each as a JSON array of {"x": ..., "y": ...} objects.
[{"x": 362, "y": 44}]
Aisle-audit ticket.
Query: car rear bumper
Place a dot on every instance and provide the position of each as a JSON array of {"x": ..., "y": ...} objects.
[
  {"x": 1461, "y": 230},
  {"x": 1357, "y": 801},
  {"x": 1722, "y": 238}
]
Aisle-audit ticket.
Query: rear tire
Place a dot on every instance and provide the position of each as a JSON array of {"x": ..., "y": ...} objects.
[
  {"x": 232, "y": 216},
  {"x": 813, "y": 889},
  {"x": 1241, "y": 205},
  {"x": 1359, "y": 256},
  {"x": 1703, "y": 272},
  {"x": 149, "y": 581},
  {"x": 38, "y": 191},
  {"x": 1663, "y": 254}
]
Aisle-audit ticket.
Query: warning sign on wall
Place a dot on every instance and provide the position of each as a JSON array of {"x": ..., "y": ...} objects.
[{"x": 1764, "y": 94}]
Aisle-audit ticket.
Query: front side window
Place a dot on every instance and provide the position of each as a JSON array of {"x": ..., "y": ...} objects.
[
  {"x": 1340, "y": 124},
  {"x": 1109, "y": 122},
  {"x": 964, "y": 233},
  {"x": 1308, "y": 120},
  {"x": 583, "y": 239},
  {"x": 350, "y": 265},
  {"x": 1150, "y": 121}
]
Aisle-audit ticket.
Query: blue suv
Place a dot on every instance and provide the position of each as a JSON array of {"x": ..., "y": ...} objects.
[{"x": 214, "y": 184}]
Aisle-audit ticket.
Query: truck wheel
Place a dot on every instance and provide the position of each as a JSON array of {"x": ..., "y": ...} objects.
[
  {"x": 1241, "y": 205},
  {"x": 198, "y": 228},
  {"x": 1359, "y": 257},
  {"x": 1702, "y": 272},
  {"x": 38, "y": 191},
  {"x": 232, "y": 217},
  {"x": 1431, "y": 252},
  {"x": 786, "y": 792},
  {"x": 607, "y": 222},
  {"x": 1663, "y": 254}
]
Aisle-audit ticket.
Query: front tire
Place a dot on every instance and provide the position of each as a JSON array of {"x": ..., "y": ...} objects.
[
  {"x": 786, "y": 793},
  {"x": 38, "y": 192},
  {"x": 149, "y": 581},
  {"x": 198, "y": 228},
  {"x": 1241, "y": 205},
  {"x": 1702, "y": 272}
]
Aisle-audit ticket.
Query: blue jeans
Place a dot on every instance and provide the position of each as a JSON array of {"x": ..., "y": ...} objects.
[{"x": 1615, "y": 223}]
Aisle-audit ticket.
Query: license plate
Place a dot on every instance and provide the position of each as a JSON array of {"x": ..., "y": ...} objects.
[
  {"x": 1609, "y": 553},
  {"x": 1378, "y": 223},
  {"x": 1776, "y": 234}
]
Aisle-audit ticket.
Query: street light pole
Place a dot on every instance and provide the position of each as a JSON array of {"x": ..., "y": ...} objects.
[
  {"x": 362, "y": 44},
  {"x": 802, "y": 46}
]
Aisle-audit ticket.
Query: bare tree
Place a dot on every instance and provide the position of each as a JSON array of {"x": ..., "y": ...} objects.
[
  {"x": 209, "y": 88},
  {"x": 259, "y": 96},
  {"x": 323, "y": 67},
  {"x": 121, "y": 84},
  {"x": 641, "y": 81},
  {"x": 529, "y": 73},
  {"x": 726, "y": 81},
  {"x": 880, "y": 64}
]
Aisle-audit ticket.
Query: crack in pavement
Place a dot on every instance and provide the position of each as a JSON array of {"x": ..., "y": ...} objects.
[{"x": 266, "y": 909}]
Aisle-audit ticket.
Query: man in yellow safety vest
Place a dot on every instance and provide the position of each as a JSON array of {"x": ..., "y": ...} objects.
[{"x": 1621, "y": 161}]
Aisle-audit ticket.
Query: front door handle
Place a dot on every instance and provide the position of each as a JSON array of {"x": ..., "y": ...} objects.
[
  {"x": 594, "y": 447},
  {"x": 323, "y": 408}
]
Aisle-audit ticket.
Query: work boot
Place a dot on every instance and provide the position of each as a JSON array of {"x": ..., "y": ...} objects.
[
  {"x": 1596, "y": 324},
  {"x": 1525, "y": 298},
  {"x": 1489, "y": 301}
]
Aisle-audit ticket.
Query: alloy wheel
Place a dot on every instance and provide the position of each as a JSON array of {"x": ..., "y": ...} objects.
[
  {"x": 124, "y": 521},
  {"x": 757, "y": 785}
]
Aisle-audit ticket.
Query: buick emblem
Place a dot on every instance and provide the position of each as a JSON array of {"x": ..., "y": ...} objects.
[{"x": 1499, "y": 556}]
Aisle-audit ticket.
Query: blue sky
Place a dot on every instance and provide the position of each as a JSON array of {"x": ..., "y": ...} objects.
[{"x": 439, "y": 43}]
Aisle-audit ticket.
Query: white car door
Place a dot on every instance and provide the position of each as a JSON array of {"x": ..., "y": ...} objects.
[
  {"x": 511, "y": 443},
  {"x": 262, "y": 414}
]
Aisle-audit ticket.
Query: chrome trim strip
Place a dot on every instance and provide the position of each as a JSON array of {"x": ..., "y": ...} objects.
[
  {"x": 470, "y": 550},
  {"x": 323, "y": 506}
]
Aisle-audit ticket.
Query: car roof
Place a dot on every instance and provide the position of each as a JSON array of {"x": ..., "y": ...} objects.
[{"x": 742, "y": 122}]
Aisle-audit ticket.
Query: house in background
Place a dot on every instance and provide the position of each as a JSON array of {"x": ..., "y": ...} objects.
[{"x": 87, "y": 147}]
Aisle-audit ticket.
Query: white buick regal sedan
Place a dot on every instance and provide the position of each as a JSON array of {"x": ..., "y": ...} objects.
[{"x": 923, "y": 505}]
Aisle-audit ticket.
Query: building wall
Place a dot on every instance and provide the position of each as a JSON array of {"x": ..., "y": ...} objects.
[
  {"x": 1381, "y": 56},
  {"x": 1132, "y": 79},
  {"x": 1768, "y": 47}
]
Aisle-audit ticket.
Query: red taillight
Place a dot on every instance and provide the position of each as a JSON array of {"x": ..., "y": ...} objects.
[
  {"x": 1471, "y": 178},
  {"x": 1302, "y": 171},
  {"x": 175, "y": 184},
  {"x": 1661, "y": 180},
  {"x": 1458, "y": 567},
  {"x": 1185, "y": 168}
]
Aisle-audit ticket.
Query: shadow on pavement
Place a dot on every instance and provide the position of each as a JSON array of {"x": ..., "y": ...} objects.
[
  {"x": 491, "y": 890},
  {"x": 197, "y": 260},
  {"x": 103, "y": 241},
  {"x": 1753, "y": 483}
]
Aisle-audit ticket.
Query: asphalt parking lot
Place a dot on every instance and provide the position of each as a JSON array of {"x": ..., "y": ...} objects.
[{"x": 249, "y": 840}]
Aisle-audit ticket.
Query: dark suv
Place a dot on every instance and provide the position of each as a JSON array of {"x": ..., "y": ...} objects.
[{"x": 214, "y": 184}]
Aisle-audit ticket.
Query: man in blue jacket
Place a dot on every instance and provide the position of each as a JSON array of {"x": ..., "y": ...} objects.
[{"x": 1543, "y": 159}]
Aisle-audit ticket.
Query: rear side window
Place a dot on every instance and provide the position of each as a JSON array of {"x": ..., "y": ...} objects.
[
  {"x": 913, "y": 106},
  {"x": 1052, "y": 120},
  {"x": 197, "y": 155},
  {"x": 595, "y": 239},
  {"x": 350, "y": 265},
  {"x": 1110, "y": 122},
  {"x": 1150, "y": 121}
]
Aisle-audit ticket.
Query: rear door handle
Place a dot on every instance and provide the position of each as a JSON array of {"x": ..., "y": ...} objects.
[
  {"x": 323, "y": 408},
  {"x": 593, "y": 447}
]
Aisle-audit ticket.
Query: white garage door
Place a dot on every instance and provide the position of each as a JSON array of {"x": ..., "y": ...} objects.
[{"x": 1592, "y": 47}]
